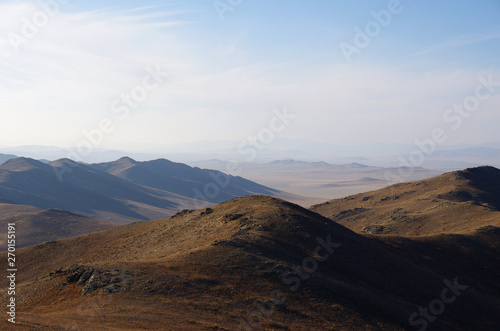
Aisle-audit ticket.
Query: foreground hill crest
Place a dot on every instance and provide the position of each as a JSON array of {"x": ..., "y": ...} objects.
[{"x": 212, "y": 268}]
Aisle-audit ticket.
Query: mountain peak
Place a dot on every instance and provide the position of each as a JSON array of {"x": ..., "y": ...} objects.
[
  {"x": 356, "y": 165},
  {"x": 64, "y": 162},
  {"x": 126, "y": 160},
  {"x": 272, "y": 215},
  {"x": 479, "y": 172},
  {"x": 22, "y": 164},
  {"x": 287, "y": 161},
  {"x": 484, "y": 183}
]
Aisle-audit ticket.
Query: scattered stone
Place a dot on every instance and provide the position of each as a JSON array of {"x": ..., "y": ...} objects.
[
  {"x": 349, "y": 213},
  {"x": 207, "y": 211},
  {"x": 113, "y": 288},
  {"x": 184, "y": 212},
  {"x": 116, "y": 280},
  {"x": 92, "y": 279},
  {"x": 376, "y": 229},
  {"x": 232, "y": 217},
  {"x": 390, "y": 198}
]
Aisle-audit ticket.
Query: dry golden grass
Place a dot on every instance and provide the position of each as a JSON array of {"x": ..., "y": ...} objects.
[
  {"x": 210, "y": 269},
  {"x": 456, "y": 202}
]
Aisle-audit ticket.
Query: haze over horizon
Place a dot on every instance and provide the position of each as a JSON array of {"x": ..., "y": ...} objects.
[
  {"x": 225, "y": 75},
  {"x": 250, "y": 164}
]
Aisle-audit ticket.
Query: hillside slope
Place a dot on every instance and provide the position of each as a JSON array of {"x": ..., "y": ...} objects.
[
  {"x": 207, "y": 185},
  {"x": 6, "y": 157},
  {"x": 456, "y": 202},
  {"x": 148, "y": 190},
  {"x": 36, "y": 225},
  {"x": 83, "y": 190},
  {"x": 255, "y": 263}
]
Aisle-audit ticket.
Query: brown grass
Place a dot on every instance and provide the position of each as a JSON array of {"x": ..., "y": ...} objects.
[{"x": 206, "y": 270}]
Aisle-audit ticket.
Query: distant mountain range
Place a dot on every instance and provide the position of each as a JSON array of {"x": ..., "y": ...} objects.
[
  {"x": 319, "y": 180},
  {"x": 122, "y": 191},
  {"x": 450, "y": 157}
]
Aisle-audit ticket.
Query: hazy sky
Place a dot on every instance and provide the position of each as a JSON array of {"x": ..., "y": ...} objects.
[{"x": 351, "y": 71}]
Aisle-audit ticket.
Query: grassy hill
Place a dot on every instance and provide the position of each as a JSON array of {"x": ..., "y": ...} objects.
[
  {"x": 257, "y": 263},
  {"x": 456, "y": 202}
]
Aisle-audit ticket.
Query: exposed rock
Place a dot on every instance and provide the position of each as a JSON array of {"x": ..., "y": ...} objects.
[
  {"x": 376, "y": 229},
  {"x": 92, "y": 279}
]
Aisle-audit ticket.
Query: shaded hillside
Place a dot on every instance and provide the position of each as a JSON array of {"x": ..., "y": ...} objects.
[
  {"x": 83, "y": 190},
  {"x": 184, "y": 180},
  {"x": 149, "y": 190},
  {"x": 234, "y": 266},
  {"x": 456, "y": 202},
  {"x": 35, "y": 225}
]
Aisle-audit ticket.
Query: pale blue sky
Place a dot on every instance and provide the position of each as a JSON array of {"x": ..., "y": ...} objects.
[{"x": 226, "y": 76}]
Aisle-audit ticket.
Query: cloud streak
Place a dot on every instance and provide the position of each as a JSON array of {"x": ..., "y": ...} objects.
[
  {"x": 65, "y": 80},
  {"x": 464, "y": 40}
]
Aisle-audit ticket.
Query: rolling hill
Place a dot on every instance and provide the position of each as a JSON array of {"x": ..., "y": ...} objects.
[
  {"x": 148, "y": 190},
  {"x": 258, "y": 263},
  {"x": 181, "y": 179},
  {"x": 84, "y": 190},
  {"x": 6, "y": 157},
  {"x": 455, "y": 202},
  {"x": 36, "y": 225}
]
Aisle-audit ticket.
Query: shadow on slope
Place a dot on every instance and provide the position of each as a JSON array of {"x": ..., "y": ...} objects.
[
  {"x": 184, "y": 180},
  {"x": 214, "y": 268}
]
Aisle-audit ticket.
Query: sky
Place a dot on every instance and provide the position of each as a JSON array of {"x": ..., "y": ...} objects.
[{"x": 145, "y": 75}]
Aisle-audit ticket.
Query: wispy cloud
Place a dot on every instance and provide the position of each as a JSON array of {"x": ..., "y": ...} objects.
[
  {"x": 221, "y": 86},
  {"x": 78, "y": 64},
  {"x": 459, "y": 41}
]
